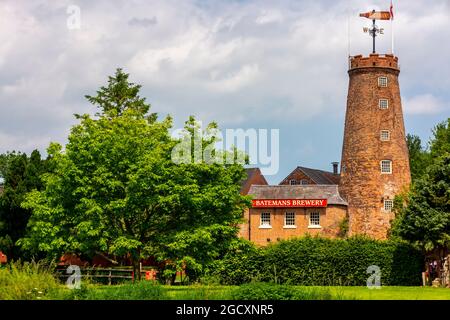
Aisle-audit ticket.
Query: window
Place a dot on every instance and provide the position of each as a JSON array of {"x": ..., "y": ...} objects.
[
  {"x": 383, "y": 104},
  {"x": 388, "y": 205},
  {"x": 382, "y": 81},
  {"x": 314, "y": 219},
  {"x": 304, "y": 182},
  {"x": 265, "y": 219},
  {"x": 386, "y": 166},
  {"x": 385, "y": 135},
  {"x": 293, "y": 182},
  {"x": 289, "y": 219}
]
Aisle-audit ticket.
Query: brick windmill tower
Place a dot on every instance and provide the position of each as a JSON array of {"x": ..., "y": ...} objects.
[{"x": 375, "y": 161}]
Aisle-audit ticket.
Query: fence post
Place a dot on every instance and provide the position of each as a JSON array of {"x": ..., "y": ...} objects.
[{"x": 109, "y": 277}]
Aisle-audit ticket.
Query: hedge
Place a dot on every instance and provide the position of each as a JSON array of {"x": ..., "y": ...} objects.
[{"x": 318, "y": 261}]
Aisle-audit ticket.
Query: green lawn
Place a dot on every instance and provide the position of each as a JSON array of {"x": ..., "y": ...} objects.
[
  {"x": 340, "y": 293},
  {"x": 392, "y": 293}
]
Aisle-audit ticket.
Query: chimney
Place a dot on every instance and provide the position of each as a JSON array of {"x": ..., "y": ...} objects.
[{"x": 335, "y": 167}]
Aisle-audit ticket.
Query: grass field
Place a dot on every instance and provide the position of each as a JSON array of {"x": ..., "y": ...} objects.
[
  {"x": 138, "y": 292},
  {"x": 35, "y": 281}
]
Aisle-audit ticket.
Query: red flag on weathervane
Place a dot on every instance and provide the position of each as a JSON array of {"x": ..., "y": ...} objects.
[
  {"x": 376, "y": 15},
  {"x": 392, "y": 11}
]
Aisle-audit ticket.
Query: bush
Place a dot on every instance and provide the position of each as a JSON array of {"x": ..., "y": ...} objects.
[
  {"x": 143, "y": 290},
  {"x": 269, "y": 291},
  {"x": 27, "y": 281},
  {"x": 240, "y": 265},
  {"x": 317, "y": 261}
]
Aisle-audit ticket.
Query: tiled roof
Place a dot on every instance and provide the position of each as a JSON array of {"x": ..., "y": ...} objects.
[
  {"x": 250, "y": 173},
  {"x": 329, "y": 192},
  {"x": 318, "y": 176}
]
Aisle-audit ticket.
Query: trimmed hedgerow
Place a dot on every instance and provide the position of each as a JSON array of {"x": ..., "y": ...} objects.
[{"x": 319, "y": 261}]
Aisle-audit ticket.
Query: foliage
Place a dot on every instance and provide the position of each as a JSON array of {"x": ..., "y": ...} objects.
[
  {"x": 241, "y": 264},
  {"x": 343, "y": 228},
  {"x": 21, "y": 174},
  {"x": 425, "y": 219},
  {"x": 269, "y": 291},
  {"x": 318, "y": 261},
  {"x": 419, "y": 157},
  {"x": 423, "y": 215},
  {"x": 115, "y": 189},
  {"x": 440, "y": 143},
  {"x": 27, "y": 281}
]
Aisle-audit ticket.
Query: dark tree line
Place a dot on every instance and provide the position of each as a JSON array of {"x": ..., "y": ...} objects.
[{"x": 20, "y": 174}]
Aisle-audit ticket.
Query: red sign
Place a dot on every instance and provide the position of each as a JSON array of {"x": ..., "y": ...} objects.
[{"x": 289, "y": 203}]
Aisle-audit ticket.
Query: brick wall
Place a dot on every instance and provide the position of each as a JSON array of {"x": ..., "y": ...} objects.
[
  {"x": 330, "y": 219},
  {"x": 362, "y": 184}
]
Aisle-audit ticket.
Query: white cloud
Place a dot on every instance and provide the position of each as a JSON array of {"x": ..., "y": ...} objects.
[
  {"x": 243, "y": 63},
  {"x": 269, "y": 16},
  {"x": 423, "y": 104}
]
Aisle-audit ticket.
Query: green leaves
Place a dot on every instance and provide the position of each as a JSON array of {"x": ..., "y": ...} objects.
[
  {"x": 425, "y": 220},
  {"x": 119, "y": 97},
  {"x": 314, "y": 261},
  {"x": 115, "y": 189}
]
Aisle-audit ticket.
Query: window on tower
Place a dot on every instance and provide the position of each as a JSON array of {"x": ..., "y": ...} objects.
[
  {"x": 383, "y": 104},
  {"x": 388, "y": 205},
  {"x": 386, "y": 167},
  {"x": 382, "y": 82},
  {"x": 385, "y": 135}
]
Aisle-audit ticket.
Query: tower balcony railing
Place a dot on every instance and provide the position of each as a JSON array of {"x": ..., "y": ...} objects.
[{"x": 373, "y": 60}]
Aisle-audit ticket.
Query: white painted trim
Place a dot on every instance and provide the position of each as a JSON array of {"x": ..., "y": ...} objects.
[
  {"x": 265, "y": 226},
  {"x": 314, "y": 227},
  {"x": 289, "y": 227}
]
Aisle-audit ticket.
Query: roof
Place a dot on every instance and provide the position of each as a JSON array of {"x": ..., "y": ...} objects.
[
  {"x": 329, "y": 192},
  {"x": 251, "y": 172},
  {"x": 318, "y": 176}
]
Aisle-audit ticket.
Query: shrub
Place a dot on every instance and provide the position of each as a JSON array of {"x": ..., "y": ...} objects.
[
  {"x": 269, "y": 291},
  {"x": 240, "y": 265},
  {"x": 317, "y": 261},
  {"x": 27, "y": 281},
  {"x": 143, "y": 290}
]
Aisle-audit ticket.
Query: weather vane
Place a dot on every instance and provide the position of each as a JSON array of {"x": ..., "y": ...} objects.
[{"x": 374, "y": 16}]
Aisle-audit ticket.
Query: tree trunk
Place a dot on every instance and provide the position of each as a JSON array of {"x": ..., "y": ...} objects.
[{"x": 136, "y": 267}]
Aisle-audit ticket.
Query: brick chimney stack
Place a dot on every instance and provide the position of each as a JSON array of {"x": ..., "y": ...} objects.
[{"x": 375, "y": 163}]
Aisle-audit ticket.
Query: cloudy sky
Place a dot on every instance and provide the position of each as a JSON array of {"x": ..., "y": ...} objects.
[{"x": 245, "y": 64}]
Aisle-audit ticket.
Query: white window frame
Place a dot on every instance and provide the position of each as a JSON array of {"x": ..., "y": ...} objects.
[
  {"x": 304, "y": 182},
  {"x": 388, "y": 205},
  {"x": 382, "y": 82},
  {"x": 314, "y": 220},
  {"x": 293, "y": 182},
  {"x": 385, "y": 135},
  {"x": 383, "y": 166},
  {"x": 291, "y": 218},
  {"x": 383, "y": 104},
  {"x": 265, "y": 222}
]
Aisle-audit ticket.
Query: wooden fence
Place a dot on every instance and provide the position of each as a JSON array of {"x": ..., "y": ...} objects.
[{"x": 107, "y": 274}]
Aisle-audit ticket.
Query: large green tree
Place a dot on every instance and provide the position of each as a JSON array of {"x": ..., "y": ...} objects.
[
  {"x": 425, "y": 220},
  {"x": 424, "y": 214},
  {"x": 115, "y": 188},
  {"x": 21, "y": 174},
  {"x": 419, "y": 157}
]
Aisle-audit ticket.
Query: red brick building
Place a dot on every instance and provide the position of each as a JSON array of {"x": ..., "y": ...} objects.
[{"x": 374, "y": 168}]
